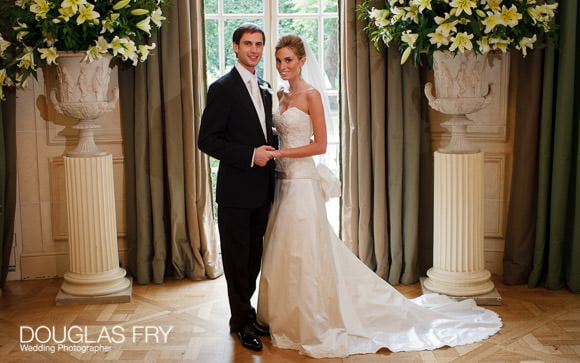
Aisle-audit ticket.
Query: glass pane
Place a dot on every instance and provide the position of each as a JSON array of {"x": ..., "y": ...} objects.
[
  {"x": 334, "y": 130},
  {"x": 210, "y": 6},
  {"x": 229, "y": 26},
  {"x": 306, "y": 28},
  {"x": 331, "y": 54},
  {"x": 212, "y": 50},
  {"x": 297, "y": 6},
  {"x": 330, "y": 6},
  {"x": 243, "y": 6}
]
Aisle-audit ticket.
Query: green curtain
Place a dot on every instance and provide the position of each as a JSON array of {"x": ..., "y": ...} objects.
[
  {"x": 387, "y": 171},
  {"x": 7, "y": 179},
  {"x": 521, "y": 227},
  {"x": 170, "y": 230},
  {"x": 557, "y": 249}
]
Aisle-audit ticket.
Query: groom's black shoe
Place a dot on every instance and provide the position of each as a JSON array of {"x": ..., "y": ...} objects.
[
  {"x": 249, "y": 338},
  {"x": 261, "y": 330}
]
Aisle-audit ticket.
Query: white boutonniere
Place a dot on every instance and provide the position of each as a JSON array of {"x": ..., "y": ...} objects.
[{"x": 264, "y": 88}]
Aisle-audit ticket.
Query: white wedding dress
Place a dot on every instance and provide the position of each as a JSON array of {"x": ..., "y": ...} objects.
[{"x": 318, "y": 298}]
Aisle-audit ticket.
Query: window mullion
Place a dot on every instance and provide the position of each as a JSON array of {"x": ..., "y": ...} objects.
[{"x": 221, "y": 42}]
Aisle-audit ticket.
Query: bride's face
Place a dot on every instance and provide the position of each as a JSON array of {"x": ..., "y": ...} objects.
[{"x": 288, "y": 64}]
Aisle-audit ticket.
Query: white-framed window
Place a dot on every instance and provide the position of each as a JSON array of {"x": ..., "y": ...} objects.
[{"x": 314, "y": 20}]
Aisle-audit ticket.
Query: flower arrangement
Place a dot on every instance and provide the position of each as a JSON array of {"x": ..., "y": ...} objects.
[
  {"x": 481, "y": 26},
  {"x": 33, "y": 31}
]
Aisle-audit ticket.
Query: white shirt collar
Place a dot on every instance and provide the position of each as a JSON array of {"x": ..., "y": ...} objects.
[{"x": 246, "y": 75}]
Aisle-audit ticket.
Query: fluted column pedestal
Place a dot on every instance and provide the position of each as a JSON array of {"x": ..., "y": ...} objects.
[
  {"x": 94, "y": 270},
  {"x": 458, "y": 250}
]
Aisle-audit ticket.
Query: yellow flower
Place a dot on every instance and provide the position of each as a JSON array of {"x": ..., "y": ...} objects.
[
  {"x": 493, "y": 5},
  {"x": 525, "y": 43},
  {"x": 144, "y": 25},
  {"x": 412, "y": 12},
  {"x": 117, "y": 45},
  {"x": 423, "y": 4},
  {"x": 157, "y": 17},
  {"x": 501, "y": 44},
  {"x": 40, "y": 8},
  {"x": 409, "y": 38},
  {"x": 66, "y": 13},
  {"x": 374, "y": 13},
  {"x": 49, "y": 54},
  {"x": 406, "y": 55},
  {"x": 510, "y": 16},
  {"x": 144, "y": 51},
  {"x": 438, "y": 38},
  {"x": 139, "y": 11},
  {"x": 102, "y": 45},
  {"x": 2, "y": 78},
  {"x": 27, "y": 61},
  {"x": 121, "y": 4},
  {"x": 445, "y": 26},
  {"x": 548, "y": 9},
  {"x": 484, "y": 45},
  {"x": 462, "y": 5},
  {"x": 3, "y": 44},
  {"x": 86, "y": 13},
  {"x": 109, "y": 23},
  {"x": 132, "y": 53},
  {"x": 92, "y": 54},
  {"x": 490, "y": 22},
  {"x": 461, "y": 41},
  {"x": 73, "y": 4}
]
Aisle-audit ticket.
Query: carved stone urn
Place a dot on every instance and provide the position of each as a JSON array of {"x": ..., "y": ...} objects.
[
  {"x": 460, "y": 91},
  {"x": 82, "y": 88},
  {"x": 94, "y": 274}
]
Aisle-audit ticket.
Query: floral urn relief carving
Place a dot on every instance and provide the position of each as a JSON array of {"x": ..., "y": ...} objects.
[
  {"x": 459, "y": 91},
  {"x": 82, "y": 89}
]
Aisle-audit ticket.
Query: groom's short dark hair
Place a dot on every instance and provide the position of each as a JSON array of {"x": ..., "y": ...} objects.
[{"x": 247, "y": 28}]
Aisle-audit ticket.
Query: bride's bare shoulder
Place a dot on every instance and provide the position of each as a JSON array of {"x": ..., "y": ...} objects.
[{"x": 313, "y": 95}]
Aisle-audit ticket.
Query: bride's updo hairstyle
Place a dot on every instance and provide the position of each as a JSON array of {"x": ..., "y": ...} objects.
[{"x": 293, "y": 42}]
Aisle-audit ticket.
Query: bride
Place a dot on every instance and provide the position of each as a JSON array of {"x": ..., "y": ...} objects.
[{"x": 315, "y": 295}]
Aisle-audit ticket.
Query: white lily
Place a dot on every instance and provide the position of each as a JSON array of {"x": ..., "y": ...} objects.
[{"x": 49, "y": 54}]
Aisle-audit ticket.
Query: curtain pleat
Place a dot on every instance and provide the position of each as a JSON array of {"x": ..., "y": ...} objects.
[
  {"x": 557, "y": 245},
  {"x": 173, "y": 230},
  {"x": 521, "y": 226},
  {"x": 386, "y": 155},
  {"x": 7, "y": 179}
]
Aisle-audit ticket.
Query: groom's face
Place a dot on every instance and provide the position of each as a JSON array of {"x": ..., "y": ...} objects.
[{"x": 249, "y": 50}]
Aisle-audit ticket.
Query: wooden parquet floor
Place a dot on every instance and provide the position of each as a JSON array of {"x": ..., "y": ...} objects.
[{"x": 539, "y": 326}]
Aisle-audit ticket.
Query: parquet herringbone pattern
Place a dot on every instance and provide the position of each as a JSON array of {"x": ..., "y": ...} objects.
[{"x": 539, "y": 326}]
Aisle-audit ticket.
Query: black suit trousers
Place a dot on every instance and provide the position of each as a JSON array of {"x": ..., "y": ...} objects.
[{"x": 242, "y": 237}]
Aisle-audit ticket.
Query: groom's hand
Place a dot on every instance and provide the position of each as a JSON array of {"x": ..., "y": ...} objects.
[{"x": 262, "y": 155}]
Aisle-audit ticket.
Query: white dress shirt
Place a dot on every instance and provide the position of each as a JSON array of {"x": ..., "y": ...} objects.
[{"x": 250, "y": 80}]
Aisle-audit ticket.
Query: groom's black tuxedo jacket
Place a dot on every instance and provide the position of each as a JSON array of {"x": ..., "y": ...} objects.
[{"x": 230, "y": 130}]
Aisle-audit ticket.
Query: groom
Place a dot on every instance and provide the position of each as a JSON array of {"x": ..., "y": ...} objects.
[{"x": 236, "y": 128}]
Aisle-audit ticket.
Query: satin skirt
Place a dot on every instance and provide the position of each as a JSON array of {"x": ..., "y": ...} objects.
[{"x": 318, "y": 298}]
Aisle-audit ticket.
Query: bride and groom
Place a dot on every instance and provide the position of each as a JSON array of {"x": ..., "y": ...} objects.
[{"x": 315, "y": 296}]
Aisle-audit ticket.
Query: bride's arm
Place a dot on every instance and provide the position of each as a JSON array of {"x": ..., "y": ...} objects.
[{"x": 318, "y": 146}]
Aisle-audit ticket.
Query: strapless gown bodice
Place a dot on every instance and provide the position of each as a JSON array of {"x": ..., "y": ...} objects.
[{"x": 294, "y": 130}]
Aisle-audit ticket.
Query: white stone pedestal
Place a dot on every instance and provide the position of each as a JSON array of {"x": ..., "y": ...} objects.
[
  {"x": 458, "y": 251},
  {"x": 92, "y": 232}
]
